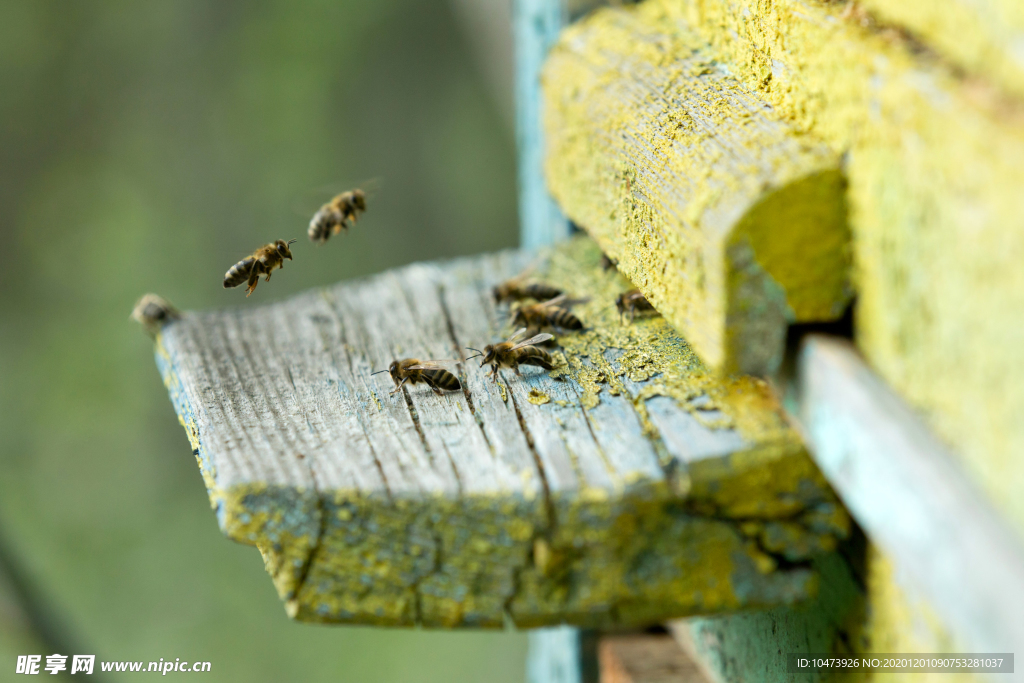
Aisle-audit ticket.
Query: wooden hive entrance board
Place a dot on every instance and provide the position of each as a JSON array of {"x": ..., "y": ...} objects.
[
  {"x": 626, "y": 486},
  {"x": 728, "y": 219}
]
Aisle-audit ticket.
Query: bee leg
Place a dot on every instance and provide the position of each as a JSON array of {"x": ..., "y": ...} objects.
[
  {"x": 437, "y": 391},
  {"x": 253, "y": 281},
  {"x": 518, "y": 374},
  {"x": 398, "y": 388}
]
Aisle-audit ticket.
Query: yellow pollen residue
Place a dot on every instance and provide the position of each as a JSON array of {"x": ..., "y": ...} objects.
[{"x": 537, "y": 397}]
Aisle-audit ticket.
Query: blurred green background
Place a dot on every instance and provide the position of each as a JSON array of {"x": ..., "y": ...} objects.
[{"x": 147, "y": 147}]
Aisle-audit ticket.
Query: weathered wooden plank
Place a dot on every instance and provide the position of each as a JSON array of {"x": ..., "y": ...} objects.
[
  {"x": 543, "y": 499},
  {"x": 562, "y": 654},
  {"x": 731, "y": 222},
  {"x": 554, "y": 654},
  {"x": 935, "y": 164},
  {"x": 904, "y": 488},
  {"x": 752, "y": 645},
  {"x": 983, "y": 38},
  {"x": 535, "y": 24},
  {"x": 646, "y": 658}
]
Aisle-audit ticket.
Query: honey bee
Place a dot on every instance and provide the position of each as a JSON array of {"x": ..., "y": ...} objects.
[
  {"x": 517, "y": 289},
  {"x": 634, "y": 302},
  {"x": 261, "y": 262},
  {"x": 509, "y": 354},
  {"x": 153, "y": 312},
  {"x": 335, "y": 215},
  {"x": 551, "y": 313},
  {"x": 413, "y": 370}
]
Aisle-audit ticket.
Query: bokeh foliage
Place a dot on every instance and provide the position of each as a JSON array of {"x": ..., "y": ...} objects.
[{"x": 146, "y": 147}]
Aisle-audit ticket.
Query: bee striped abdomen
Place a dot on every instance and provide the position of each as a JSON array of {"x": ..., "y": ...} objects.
[
  {"x": 442, "y": 379},
  {"x": 565, "y": 319},
  {"x": 239, "y": 273},
  {"x": 540, "y": 291},
  {"x": 320, "y": 228},
  {"x": 531, "y": 355}
]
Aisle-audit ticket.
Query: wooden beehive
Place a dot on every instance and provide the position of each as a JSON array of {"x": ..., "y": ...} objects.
[{"x": 752, "y": 166}]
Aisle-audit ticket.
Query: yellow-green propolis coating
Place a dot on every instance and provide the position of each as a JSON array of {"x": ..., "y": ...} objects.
[
  {"x": 900, "y": 619},
  {"x": 722, "y": 533},
  {"x": 763, "y": 482},
  {"x": 935, "y": 165},
  {"x": 375, "y": 566},
  {"x": 983, "y": 38},
  {"x": 730, "y": 222},
  {"x": 771, "y": 483}
]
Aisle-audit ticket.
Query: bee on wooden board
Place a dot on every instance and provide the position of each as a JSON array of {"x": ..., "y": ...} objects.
[
  {"x": 335, "y": 215},
  {"x": 633, "y": 302},
  {"x": 510, "y": 354},
  {"x": 263, "y": 261},
  {"x": 517, "y": 288},
  {"x": 551, "y": 313},
  {"x": 413, "y": 370},
  {"x": 153, "y": 312}
]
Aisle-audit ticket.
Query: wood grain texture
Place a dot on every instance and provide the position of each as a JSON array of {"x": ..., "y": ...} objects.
[
  {"x": 731, "y": 222},
  {"x": 544, "y": 499},
  {"x": 646, "y": 658},
  {"x": 904, "y": 488}
]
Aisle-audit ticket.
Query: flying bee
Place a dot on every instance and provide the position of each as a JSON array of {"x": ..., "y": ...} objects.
[
  {"x": 263, "y": 261},
  {"x": 516, "y": 288},
  {"x": 634, "y": 302},
  {"x": 335, "y": 215},
  {"x": 153, "y": 312},
  {"x": 509, "y": 354},
  {"x": 413, "y": 370},
  {"x": 551, "y": 313}
]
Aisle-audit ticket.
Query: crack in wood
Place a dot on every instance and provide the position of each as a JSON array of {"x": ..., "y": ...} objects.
[
  {"x": 462, "y": 358},
  {"x": 526, "y": 518},
  {"x": 321, "y": 532},
  {"x": 416, "y": 423},
  {"x": 332, "y": 306},
  {"x": 455, "y": 470},
  {"x": 329, "y": 350},
  {"x": 228, "y": 413},
  {"x": 549, "y": 504},
  {"x": 590, "y": 428}
]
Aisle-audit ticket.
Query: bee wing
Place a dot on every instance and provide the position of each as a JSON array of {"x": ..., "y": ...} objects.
[
  {"x": 370, "y": 186},
  {"x": 527, "y": 272},
  {"x": 310, "y": 200},
  {"x": 563, "y": 301},
  {"x": 516, "y": 279},
  {"x": 518, "y": 333},
  {"x": 557, "y": 301},
  {"x": 430, "y": 364},
  {"x": 533, "y": 340}
]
